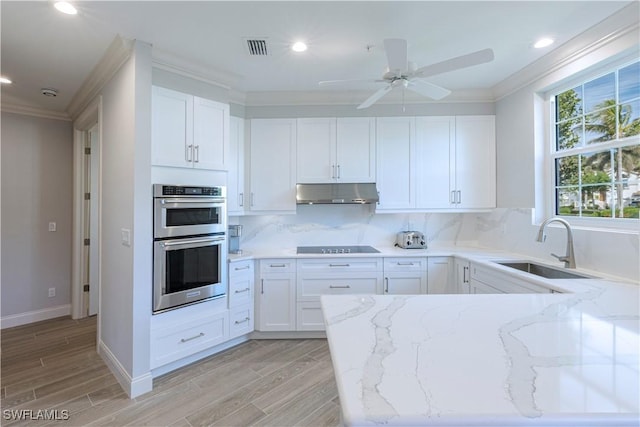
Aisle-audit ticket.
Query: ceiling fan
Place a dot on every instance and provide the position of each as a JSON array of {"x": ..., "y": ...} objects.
[{"x": 402, "y": 73}]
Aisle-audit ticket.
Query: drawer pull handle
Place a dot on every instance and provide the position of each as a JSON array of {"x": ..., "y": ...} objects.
[
  {"x": 242, "y": 290},
  {"x": 246, "y": 267},
  {"x": 386, "y": 285},
  {"x": 246, "y": 319},
  {"x": 339, "y": 287},
  {"x": 277, "y": 265},
  {"x": 200, "y": 335},
  {"x": 339, "y": 265},
  {"x": 404, "y": 263}
]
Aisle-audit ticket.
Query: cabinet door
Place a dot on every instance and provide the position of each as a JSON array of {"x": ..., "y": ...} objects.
[
  {"x": 434, "y": 140},
  {"x": 356, "y": 152},
  {"x": 395, "y": 162},
  {"x": 316, "y": 145},
  {"x": 272, "y": 160},
  {"x": 476, "y": 161},
  {"x": 235, "y": 178},
  {"x": 172, "y": 128},
  {"x": 407, "y": 283},
  {"x": 277, "y": 302},
  {"x": 463, "y": 275},
  {"x": 439, "y": 276},
  {"x": 477, "y": 287},
  {"x": 211, "y": 134}
]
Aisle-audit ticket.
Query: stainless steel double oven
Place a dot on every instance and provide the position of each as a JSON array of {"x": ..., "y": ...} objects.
[{"x": 189, "y": 245}]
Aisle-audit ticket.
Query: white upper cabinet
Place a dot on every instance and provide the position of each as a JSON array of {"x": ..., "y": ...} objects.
[
  {"x": 336, "y": 150},
  {"x": 395, "y": 166},
  {"x": 272, "y": 155},
  {"x": 456, "y": 166},
  {"x": 475, "y": 162},
  {"x": 188, "y": 131},
  {"x": 434, "y": 149},
  {"x": 235, "y": 178}
]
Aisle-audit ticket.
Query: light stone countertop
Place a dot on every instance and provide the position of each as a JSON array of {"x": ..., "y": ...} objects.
[{"x": 479, "y": 360}]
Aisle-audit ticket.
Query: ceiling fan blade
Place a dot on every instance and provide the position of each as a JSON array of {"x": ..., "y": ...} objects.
[
  {"x": 337, "y": 82},
  {"x": 396, "y": 50},
  {"x": 464, "y": 61},
  {"x": 373, "y": 98},
  {"x": 428, "y": 89}
]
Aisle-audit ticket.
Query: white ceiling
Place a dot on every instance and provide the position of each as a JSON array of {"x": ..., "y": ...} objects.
[{"x": 44, "y": 48}]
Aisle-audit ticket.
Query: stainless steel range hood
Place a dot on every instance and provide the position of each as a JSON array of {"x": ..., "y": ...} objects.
[{"x": 338, "y": 193}]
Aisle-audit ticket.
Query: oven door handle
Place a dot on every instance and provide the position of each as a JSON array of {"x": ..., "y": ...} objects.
[
  {"x": 191, "y": 201},
  {"x": 191, "y": 242}
]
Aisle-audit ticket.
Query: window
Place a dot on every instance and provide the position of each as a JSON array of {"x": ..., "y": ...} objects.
[{"x": 596, "y": 147}]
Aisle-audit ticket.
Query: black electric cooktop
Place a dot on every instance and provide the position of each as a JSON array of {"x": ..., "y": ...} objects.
[{"x": 337, "y": 250}]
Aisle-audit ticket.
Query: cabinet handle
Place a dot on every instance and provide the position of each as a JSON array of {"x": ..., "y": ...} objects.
[
  {"x": 338, "y": 169},
  {"x": 241, "y": 197},
  {"x": 339, "y": 287},
  {"x": 188, "y": 150},
  {"x": 262, "y": 286},
  {"x": 386, "y": 285},
  {"x": 464, "y": 274},
  {"x": 339, "y": 265},
  {"x": 201, "y": 334},
  {"x": 277, "y": 265},
  {"x": 196, "y": 153},
  {"x": 251, "y": 202},
  {"x": 404, "y": 263},
  {"x": 333, "y": 171},
  {"x": 378, "y": 198},
  {"x": 452, "y": 199},
  {"x": 242, "y": 290},
  {"x": 246, "y": 267},
  {"x": 459, "y": 197},
  {"x": 246, "y": 319}
]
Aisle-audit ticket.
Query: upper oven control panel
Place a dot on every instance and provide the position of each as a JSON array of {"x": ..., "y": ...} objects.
[{"x": 162, "y": 190}]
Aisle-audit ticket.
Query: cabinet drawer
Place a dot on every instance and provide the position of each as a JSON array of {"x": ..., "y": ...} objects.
[
  {"x": 239, "y": 268},
  {"x": 310, "y": 288},
  {"x": 329, "y": 265},
  {"x": 186, "y": 338},
  {"x": 405, "y": 264},
  {"x": 240, "y": 290},
  {"x": 240, "y": 321},
  {"x": 278, "y": 266},
  {"x": 505, "y": 282}
]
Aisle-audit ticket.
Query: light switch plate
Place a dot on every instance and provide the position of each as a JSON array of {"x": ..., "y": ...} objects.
[{"x": 125, "y": 235}]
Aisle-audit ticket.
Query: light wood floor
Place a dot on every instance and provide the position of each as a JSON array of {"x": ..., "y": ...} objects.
[{"x": 53, "y": 365}]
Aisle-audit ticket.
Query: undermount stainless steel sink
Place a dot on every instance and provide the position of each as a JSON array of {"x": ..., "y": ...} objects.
[{"x": 543, "y": 270}]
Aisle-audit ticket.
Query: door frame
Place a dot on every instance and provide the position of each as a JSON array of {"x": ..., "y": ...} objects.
[{"x": 89, "y": 118}]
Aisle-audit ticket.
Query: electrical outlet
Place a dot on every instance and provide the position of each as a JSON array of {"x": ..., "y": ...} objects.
[
  {"x": 52, "y": 292},
  {"x": 52, "y": 226}
]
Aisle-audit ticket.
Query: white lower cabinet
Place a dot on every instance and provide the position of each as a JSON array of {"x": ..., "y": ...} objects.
[
  {"x": 463, "y": 276},
  {"x": 332, "y": 276},
  {"x": 180, "y": 333},
  {"x": 276, "y": 295},
  {"x": 406, "y": 276},
  {"x": 241, "y": 306},
  {"x": 439, "y": 276},
  {"x": 488, "y": 280}
]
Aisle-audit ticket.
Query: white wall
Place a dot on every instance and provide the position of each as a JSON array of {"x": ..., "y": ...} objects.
[
  {"x": 36, "y": 189},
  {"x": 126, "y": 271}
]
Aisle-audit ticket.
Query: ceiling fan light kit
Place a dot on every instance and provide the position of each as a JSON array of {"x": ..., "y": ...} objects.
[{"x": 402, "y": 73}]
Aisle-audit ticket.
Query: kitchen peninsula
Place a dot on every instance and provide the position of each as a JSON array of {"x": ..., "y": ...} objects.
[{"x": 500, "y": 360}]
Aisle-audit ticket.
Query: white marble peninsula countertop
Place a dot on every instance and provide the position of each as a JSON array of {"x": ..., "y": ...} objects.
[{"x": 488, "y": 360}]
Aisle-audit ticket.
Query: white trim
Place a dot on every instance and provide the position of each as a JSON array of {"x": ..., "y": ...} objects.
[
  {"x": 116, "y": 55},
  {"x": 134, "y": 387},
  {"x": 34, "y": 111},
  {"x": 34, "y": 316}
]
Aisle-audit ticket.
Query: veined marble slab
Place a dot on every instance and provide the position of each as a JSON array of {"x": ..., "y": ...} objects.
[{"x": 487, "y": 360}]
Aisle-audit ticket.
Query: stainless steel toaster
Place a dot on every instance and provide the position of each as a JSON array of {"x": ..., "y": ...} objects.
[{"x": 411, "y": 240}]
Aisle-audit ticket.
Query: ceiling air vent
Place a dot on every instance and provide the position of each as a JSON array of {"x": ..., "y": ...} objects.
[{"x": 257, "y": 46}]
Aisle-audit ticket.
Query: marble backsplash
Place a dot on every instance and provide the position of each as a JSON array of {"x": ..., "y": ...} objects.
[{"x": 505, "y": 229}]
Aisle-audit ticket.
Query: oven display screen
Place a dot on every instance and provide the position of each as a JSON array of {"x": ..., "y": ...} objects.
[{"x": 193, "y": 216}]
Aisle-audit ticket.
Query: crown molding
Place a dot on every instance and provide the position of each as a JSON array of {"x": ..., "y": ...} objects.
[
  {"x": 115, "y": 56},
  {"x": 621, "y": 30},
  {"x": 27, "y": 110}
]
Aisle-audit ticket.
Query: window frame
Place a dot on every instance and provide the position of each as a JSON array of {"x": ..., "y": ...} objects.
[{"x": 552, "y": 153}]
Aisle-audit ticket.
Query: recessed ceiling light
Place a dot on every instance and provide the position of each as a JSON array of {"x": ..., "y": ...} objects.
[
  {"x": 5, "y": 80},
  {"x": 47, "y": 91},
  {"x": 65, "y": 7},
  {"x": 299, "y": 47},
  {"x": 543, "y": 43}
]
